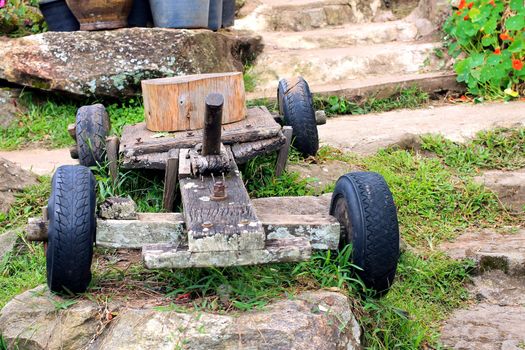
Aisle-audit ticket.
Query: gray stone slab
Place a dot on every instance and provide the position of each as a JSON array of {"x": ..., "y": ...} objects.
[
  {"x": 148, "y": 229},
  {"x": 171, "y": 256},
  {"x": 7, "y": 243}
]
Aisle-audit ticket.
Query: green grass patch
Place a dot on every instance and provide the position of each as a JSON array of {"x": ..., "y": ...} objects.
[
  {"x": 494, "y": 149},
  {"x": 45, "y": 122}
]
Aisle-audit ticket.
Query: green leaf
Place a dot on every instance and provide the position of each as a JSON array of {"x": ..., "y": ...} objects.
[
  {"x": 516, "y": 5},
  {"x": 515, "y": 23},
  {"x": 477, "y": 60}
]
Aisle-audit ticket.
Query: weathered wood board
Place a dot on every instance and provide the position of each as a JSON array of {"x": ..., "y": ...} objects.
[
  {"x": 218, "y": 225},
  {"x": 177, "y": 103},
  {"x": 170, "y": 256},
  {"x": 138, "y": 140},
  {"x": 243, "y": 152}
]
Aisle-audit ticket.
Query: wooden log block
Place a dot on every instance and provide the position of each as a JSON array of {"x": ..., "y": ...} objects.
[
  {"x": 211, "y": 136},
  {"x": 170, "y": 180},
  {"x": 282, "y": 158},
  {"x": 177, "y": 103},
  {"x": 243, "y": 152},
  {"x": 210, "y": 164},
  {"x": 36, "y": 230},
  {"x": 138, "y": 140}
]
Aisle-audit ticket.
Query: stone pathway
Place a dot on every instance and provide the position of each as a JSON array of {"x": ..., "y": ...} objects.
[
  {"x": 345, "y": 47},
  {"x": 366, "y": 134},
  {"x": 39, "y": 161}
]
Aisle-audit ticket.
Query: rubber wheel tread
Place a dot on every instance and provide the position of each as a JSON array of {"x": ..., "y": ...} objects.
[
  {"x": 296, "y": 106},
  {"x": 72, "y": 226},
  {"x": 92, "y": 129},
  {"x": 375, "y": 228}
]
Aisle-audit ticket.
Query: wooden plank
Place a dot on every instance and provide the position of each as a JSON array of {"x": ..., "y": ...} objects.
[
  {"x": 112, "y": 146},
  {"x": 184, "y": 163},
  {"x": 177, "y": 103},
  {"x": 138, "y": 140},
  {"x": 282, "y": 159},
  {"x": 219, "y": 225},
  {"x": 155, "y": 161},
  {"x": 243, "y": 152},
  {"x": 172, "y": 256},
  {"x": 170, "y": 180}
]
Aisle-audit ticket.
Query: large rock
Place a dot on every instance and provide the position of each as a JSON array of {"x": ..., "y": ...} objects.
[
  {"x": 508, "y": 185},
  {"x": 9, "y": 106},
  {"x": 315, "y": 320},
  {"x": 496, "y": 323},
  {"x": 112, "y": 63},
  {"x": 12, "y": 179}
]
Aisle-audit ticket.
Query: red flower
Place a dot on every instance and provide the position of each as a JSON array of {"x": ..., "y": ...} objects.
[
  {"x": 517, "y": 64},
  {"x": 491, "y": 2},
  {"x": 462, "y": 4},
  {"x": 470, "y": 5},
  {"x": 497, "y": 51},
  {"x": 466, "y": 18},
  {"x": 458, "y": 13},
  {"x": 505, "y": 36}
]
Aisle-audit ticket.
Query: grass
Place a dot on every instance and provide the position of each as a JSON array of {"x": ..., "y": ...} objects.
[
  {"x": 436, "y": 199},
  {"x": 45, "y": 122}
]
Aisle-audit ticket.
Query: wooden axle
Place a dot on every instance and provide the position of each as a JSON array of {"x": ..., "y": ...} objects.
[{"x": 211, "y": 138}]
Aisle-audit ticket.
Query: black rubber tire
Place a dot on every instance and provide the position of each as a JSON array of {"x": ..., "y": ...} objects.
[
  {"x": 365, "y": 208},
  {"x": 297, "y": 108},
  {"x": 72, "y": 229},
  {"x": 92, "y": 129}
]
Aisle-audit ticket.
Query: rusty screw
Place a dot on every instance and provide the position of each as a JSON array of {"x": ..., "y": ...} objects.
[{"x": 219, "y": 190}]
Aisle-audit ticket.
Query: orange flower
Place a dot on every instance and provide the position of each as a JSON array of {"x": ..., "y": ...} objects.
[
  {"x": 462, "y": 4},
  {"x": 497, "y": 51},
  {"x": 517, "y": 64},
  {"x": 505, "y": 36},
  {"x": 458, "y": 13},
  {"x": 491, "y": 2},
  {"x": 470, "y": 5}
]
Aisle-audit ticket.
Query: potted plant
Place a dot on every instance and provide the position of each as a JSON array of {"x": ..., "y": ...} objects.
[
  {"x": 180, "y": 13},
  {"x": 58, "y": 16},
  {"x": 101, "y": 14}
]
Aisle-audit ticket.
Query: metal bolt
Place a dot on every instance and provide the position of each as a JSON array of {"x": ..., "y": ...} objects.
[
  {"x": 219, "y": 190},
  {"x": 207, "y": 224}
]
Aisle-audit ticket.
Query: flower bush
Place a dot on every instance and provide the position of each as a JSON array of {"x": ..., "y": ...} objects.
[
  {"x": 20, "y": 17},
  {"x": 488, "y": 42}
]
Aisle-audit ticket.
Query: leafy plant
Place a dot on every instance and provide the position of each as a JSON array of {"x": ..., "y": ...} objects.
[
  {"x": 488, "y": 41},
  {"x": 20, "y": 17}
]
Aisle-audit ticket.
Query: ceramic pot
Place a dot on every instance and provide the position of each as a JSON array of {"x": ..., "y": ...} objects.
[
  {"x": 180, "y": 13},
  {"x": 140, "y": 15},
  {"x": 101, "y": 14},
  {"x": 58, "y": 16},
  {"x": 228, "y": 13},
  {"x": 215, "y": 16}
]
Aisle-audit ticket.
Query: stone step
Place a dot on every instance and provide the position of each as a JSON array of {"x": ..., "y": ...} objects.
[
  {"x": 342, "y": 36},
  {"x": 301, "y": 15},
  {"x": 339, "y": 65},
  {"x": 491, "y": 250},
  {"x": 378, "y": 86}
]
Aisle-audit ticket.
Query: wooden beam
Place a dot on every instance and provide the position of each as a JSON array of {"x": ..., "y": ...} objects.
[
  {"x": 177, "y": 103},
  {"x": 170, "y": 180},
  {"x": 243, "y": 152},
  {"x": 137, "y": 140},
  {"x": 282, "y": 158},
  {"x": 112, "y": 149}
]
